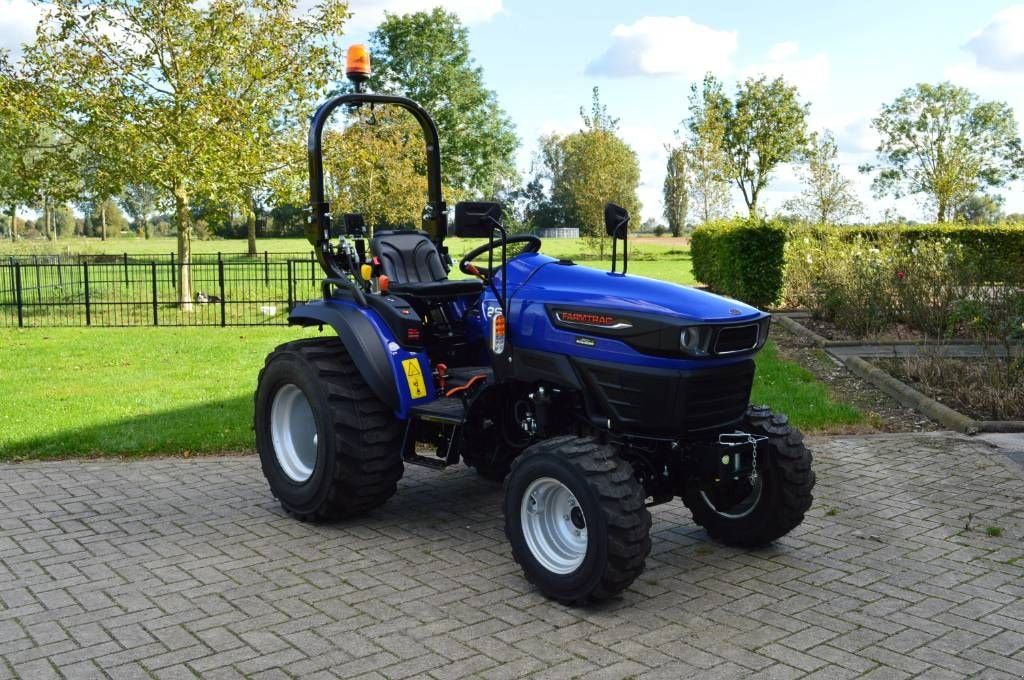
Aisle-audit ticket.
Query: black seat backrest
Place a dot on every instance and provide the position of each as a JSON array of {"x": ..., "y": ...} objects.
[{"x": 408, "y": 256}]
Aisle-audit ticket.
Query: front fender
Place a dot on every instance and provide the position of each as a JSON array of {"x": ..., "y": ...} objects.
[{"x": 383, "y": 363}]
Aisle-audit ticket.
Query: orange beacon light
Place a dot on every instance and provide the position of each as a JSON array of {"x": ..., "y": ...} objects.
[{"x": 357, "y": 64}]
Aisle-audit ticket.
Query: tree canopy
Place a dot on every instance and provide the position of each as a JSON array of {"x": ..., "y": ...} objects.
[
  {"x": 425, "y": 56},
  {"x": 764, "y": 125},
  {"x": 828, "y": 196},
  {"x": 589, "y": 168},
  {"x": 675, "y": 192},
  {"x": 942, "y": 142},
  {"x": 193, "y": 93}
]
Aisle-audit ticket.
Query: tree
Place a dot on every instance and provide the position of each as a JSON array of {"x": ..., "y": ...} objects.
[
  {"x": 980, "y": 209},
  {"x": 426, "y": 57},
  {"x": 675, "y": 191},
  {"x": 190, "y": 91},
  {"x": 829, "y": 197},
  {"x": 589, "y": 168},
  {"x": 941, "y": 142},
  {"x": 64, "y": 222},
  {"x": 765, "y": 126},
  {"x": 140, "y": 202},
  {"x": 374, "y": 168},
  {"x": 706, "y": 161}
]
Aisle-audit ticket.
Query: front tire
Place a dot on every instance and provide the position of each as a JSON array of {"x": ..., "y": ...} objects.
[
  {"x": 328, "y": 446},
  {"x": 576, "y": 519},
  {"x": 771, "y": 507}
]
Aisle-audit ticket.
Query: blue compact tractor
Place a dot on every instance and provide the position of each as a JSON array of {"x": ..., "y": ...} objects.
[{"x": 593, "y": 395}]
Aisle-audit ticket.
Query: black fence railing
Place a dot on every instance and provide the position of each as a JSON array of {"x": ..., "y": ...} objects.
[{"x": 127, "y": 290}]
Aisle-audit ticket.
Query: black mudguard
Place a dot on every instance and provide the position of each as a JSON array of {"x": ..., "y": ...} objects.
[{"x": 360, "y": 338}]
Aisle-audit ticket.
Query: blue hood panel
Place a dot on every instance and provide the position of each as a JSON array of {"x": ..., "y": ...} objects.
[{"x": 540, "y": 278}]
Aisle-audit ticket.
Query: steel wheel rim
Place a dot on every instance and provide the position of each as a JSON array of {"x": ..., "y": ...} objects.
[
  {"x": 293, "y": 431},
  {"x": 554, "y": 526},
  {"x": 744, "y": 507}
]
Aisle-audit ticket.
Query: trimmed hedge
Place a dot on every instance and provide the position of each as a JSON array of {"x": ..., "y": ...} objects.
[
  {"x": 743, "y": 259},
  {"x": 746, "y": 259}
]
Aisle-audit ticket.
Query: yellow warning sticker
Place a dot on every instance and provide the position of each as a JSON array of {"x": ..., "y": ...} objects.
[{"x": 414, "y": 377}]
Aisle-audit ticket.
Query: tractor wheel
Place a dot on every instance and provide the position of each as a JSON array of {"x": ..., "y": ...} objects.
[
  {"x": 328, "y": 446},
  {"x": 755, "y": 514},
  {"x": 576, "y": 519}
]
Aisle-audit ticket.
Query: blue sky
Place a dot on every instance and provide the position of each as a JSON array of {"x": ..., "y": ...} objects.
[{"x": 542, "y": 57}]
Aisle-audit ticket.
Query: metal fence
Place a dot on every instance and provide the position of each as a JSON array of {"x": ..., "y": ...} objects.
[{"x": 136, "y": 290}]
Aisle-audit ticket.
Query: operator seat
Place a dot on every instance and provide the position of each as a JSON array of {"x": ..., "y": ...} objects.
[{"x": 411, "y": 261}]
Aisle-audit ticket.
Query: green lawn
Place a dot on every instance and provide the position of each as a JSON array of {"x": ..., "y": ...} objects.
[
  {"x": 662, "y": 258},
  {"x": 67, "y": 391}
]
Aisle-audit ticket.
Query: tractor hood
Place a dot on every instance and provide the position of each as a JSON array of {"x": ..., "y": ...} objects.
[{"x": 554, "y": 281}]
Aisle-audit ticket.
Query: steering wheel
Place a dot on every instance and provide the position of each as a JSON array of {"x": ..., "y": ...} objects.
[{"x": 466, "y": 266}]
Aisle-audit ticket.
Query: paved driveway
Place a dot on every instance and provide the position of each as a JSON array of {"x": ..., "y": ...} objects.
[{"x": 181, "y": 567}]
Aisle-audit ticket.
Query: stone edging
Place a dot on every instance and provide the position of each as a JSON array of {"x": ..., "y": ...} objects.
[{"x": 903, "y": 393}]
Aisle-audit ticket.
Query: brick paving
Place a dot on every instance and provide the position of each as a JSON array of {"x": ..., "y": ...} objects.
[{"x": 177, "y": 568}]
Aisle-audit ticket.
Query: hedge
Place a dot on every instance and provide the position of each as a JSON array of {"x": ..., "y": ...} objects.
[
  {"x": 743, "y": 259},
  {"x": 746, "y": 259}
]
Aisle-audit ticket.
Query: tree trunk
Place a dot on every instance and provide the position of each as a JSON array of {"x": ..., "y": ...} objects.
[
  {"x": 14, "y": 219},
  {"x": 250, "y": 223},
  {"x": 183, "y": 223},
  {"x": 145, "y": 226},
  {"x": 103, "y": 221},
  {"x": 46, "y": 219},
  {"x": 942, "y": 210}
]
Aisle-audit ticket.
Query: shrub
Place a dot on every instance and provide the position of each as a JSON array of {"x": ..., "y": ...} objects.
[
  {"x": 741, "y": 258},
  {"x": 867, "y": 280}
]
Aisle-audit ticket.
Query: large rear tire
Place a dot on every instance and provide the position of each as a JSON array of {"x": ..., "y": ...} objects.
[
  {"x": 576, "y": 519},
  {"x": 328, "y": 446},
  {"x": 772, "y": 506}
]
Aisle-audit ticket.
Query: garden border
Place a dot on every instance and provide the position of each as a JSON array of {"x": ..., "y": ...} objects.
[{"x": 905, "y": 394}]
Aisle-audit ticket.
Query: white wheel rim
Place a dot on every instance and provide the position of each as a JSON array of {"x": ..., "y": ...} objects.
[
  {"x": 293, "y": 431},
  {"x": 553, "y": 525}
]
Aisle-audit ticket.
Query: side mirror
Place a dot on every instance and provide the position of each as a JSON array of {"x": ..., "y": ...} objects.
[
  {"x": 477, "y": 219},
  {"x": 354, "y": 223},
  {"x": 616, "y": 220}
]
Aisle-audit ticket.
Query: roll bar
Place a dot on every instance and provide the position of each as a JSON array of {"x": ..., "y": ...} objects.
[{"x": 318, "y": 230}]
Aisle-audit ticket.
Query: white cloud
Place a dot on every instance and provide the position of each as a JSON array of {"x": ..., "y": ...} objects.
[
  {"x": 809, "y": 74},
  {"x": 367, "y": 14},
  {"x": 656, "y": 46},
  {"x": 998, "y": 46},
  {"x": 18, "y": 19}
]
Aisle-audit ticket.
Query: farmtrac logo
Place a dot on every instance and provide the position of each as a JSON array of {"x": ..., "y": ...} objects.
[{"x": 593, "y": 319}]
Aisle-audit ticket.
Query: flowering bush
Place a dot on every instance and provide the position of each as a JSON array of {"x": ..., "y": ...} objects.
[{"x": 866, "y": 285}]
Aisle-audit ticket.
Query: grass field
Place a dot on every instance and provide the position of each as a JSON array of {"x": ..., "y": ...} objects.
[
  {"x": 661, "y": 258},
  {"x": 66, "y": 392}
]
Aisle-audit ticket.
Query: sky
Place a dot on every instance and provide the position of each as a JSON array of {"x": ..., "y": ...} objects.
[{"x": 543, "y": 57}]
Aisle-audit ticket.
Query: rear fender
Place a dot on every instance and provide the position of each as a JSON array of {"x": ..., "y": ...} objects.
[{"x": 399, "y": 377}]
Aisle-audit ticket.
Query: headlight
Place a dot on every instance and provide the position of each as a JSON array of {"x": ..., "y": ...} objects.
[{"x": 693, "y": 340}]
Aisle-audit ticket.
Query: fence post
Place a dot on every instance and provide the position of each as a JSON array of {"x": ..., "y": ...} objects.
[
  {"x": 17, "y": 294},
  {"x": 291, "y": 298},
  {"x": 266, "y": 267},
  {"x": 223, "y": 304},
  {"x": 85, "y": 277},
  {"x": 39, "y": 283},
  {"x": 152, "y": 277},
  {"x": 174, "y": 273}
]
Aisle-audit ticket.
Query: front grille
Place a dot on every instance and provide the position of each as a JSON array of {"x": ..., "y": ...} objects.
[
  {"x": 668, "y": 402},
  {"x": 716, "y": 398},
  {"x": 736, "y": 339}
]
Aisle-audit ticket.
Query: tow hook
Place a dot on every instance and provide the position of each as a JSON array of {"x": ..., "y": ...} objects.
[{"x": 731, "y": 463}]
